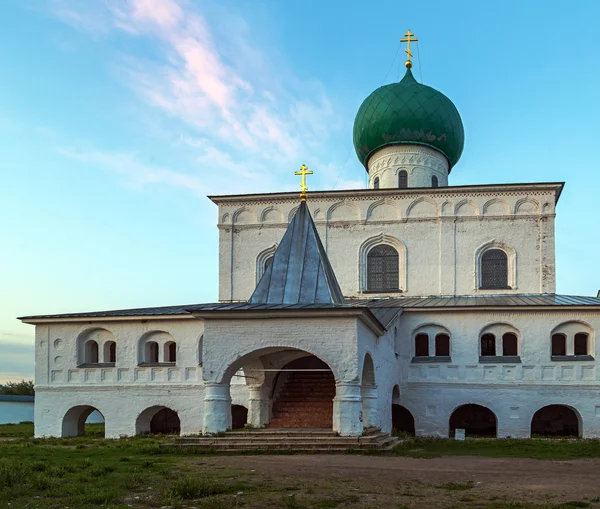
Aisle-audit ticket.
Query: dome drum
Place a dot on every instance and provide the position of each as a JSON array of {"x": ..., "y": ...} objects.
[{"x": 420, "y": 165}]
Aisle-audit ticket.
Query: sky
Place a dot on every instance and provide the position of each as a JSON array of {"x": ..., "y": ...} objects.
[{"x": 118, "y": 117}]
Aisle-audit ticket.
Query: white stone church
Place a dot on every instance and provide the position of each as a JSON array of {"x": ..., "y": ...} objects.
[{"x": 411, "y": 304}]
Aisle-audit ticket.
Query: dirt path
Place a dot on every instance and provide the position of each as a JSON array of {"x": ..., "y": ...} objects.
[{"x": 490, "y": 479}]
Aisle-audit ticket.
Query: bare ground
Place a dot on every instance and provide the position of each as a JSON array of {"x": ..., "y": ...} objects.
[{"x": 440, "y": 482}]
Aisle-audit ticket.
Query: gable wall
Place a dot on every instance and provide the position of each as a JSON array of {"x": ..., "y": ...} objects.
[{"x": 439, "y": 232}]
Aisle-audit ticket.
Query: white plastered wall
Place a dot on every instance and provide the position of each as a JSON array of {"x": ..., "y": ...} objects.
[
  {"x": 513, "y": 391},
  {"x": 442, "y": 231}
]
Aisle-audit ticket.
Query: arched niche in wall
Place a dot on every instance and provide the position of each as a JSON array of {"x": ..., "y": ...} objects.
[{"x": 92, "y": 346}]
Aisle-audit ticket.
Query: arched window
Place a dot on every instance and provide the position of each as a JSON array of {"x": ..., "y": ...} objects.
[
  {"x": 151, "y": 352},
  {"x": 488, "y": 345},
  {"x": 110, "y": 351},
  {"x": 509, "y": 344},
  {"x": 170, "y": 351},
  {"x": 442, "y": 345},
  {"x": 559, "y": 344},
  {"x": 382, "y": 269},
  {"x": 581, "y": 344},
  {"x": 421, "y": 345},
  {"x": 494, "y": 269},
  {"x": 91, "y": 352},
  {"x": 376, "y": 183},
  {"x": 434, "y": 181},
  {"x": 402, "y": 179}
]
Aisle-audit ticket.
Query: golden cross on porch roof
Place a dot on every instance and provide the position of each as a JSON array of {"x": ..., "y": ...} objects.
[
  {"x": 304, "y": 172},
  {"x": 408, "y": 38}
]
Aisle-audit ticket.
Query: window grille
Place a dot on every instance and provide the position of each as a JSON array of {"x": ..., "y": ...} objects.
[
  {"x": 402, "y": 179},
  {"x": 509, "y": 344},
  {"x": 376, "y": 183},
  {"x": 442, "y": 345},
  {"x": 494, "y": 269},
  {"x": 559, "y": 344},
  {"x": 421, "y": 345},
  {"x": 581, "y": 344},
  {"x": 434, "y": 181},
  {"x": 488, "y": 345},
  {"x": 382, "y": 269}
]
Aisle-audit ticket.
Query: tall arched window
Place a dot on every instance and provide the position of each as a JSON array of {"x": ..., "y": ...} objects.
[
  {"x": 110, "y": 351},
  {"x": 402, "y": 179},
  {"x": 382, "y": 269},
  {"x": 151, "y": 352},
  {"x": 559, "y": 344},
  {"x": 494, "y": 269},
  {"x": 170, "y": 352},
  {"x": 488, "y": 345},
  {"x": 442, "y": 345},
  {"x": 421, "y": 345},
  {"x": 91, "y": 352},
  {"x": 510, "y": 344},
  {"x": 434, "y": 181},
  {"x": 376, "y": 183},
  {"x": 581, "y": 344}
]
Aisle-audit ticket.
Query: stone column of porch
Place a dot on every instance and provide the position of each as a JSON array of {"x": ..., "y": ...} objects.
[
  {"x": 259, "y": 405},
  {"x": 347, "y": 409},
  {"x": 369, "y": 400},
  {"x": 217, "y": 408}
]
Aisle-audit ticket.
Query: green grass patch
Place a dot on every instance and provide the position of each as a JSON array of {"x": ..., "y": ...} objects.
[{"x": 500, "y": 448}]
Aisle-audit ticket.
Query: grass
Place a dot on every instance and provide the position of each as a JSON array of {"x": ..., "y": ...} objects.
[
  {"x": 85, "y": 472},
  {"x": 539, "y": 448}
]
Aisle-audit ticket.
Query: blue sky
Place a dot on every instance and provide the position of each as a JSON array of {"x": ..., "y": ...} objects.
[{"x": 117, "y": 117}]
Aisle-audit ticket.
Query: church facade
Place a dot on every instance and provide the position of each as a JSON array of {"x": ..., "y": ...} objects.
[{"x": 411, "y": 304}]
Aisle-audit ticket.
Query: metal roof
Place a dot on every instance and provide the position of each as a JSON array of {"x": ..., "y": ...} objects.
[
  {"x": 300, "y": 272},
  {"x": 515, "y": 300},
  {"x": 379, "y": 307}
]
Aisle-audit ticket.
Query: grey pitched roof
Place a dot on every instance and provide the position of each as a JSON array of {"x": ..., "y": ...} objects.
[
  {"x": 300, "y": 272},
  {"x": 512, "y": 300},
  {"x": 381, "y": 308}
]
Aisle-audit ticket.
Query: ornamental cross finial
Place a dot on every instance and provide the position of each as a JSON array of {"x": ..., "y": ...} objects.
[
  {"x": 408, "y": 38},
  {"x": 304, "y": 172}
]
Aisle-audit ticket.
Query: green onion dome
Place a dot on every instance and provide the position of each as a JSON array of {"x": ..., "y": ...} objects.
[{"x": 408, "y": 113}]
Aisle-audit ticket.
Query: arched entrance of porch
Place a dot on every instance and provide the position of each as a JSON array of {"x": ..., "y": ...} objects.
[
  {"x": 303, "y": 395},
  {"x": 287, "y": 387}
]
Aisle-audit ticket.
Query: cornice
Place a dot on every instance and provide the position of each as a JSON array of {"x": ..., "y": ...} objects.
[{"x": 534, "y": 188}]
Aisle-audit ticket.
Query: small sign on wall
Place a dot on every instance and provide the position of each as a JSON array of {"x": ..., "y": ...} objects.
[{"x": 459, "y": 434}]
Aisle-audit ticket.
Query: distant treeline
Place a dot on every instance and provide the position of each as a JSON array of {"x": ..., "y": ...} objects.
[{"x": 23, "y": 388}]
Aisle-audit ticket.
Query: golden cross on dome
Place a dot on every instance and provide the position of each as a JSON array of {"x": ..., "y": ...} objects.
[
  {"x": 304, "y": 172},
  {"x": 408, "y": 38}
]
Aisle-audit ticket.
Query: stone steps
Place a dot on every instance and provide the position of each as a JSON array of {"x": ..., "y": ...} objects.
[{"x": 285, "y": 440}]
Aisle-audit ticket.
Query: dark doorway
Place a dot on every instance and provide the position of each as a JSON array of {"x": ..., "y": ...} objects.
[
  {"x": 555, "y": 420},
  {"x": 165, "y": 421},
  {"x": 402, "y": 419},
  {"x": 239, "y": 416},
  {"x": 476, "y": 420}
]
